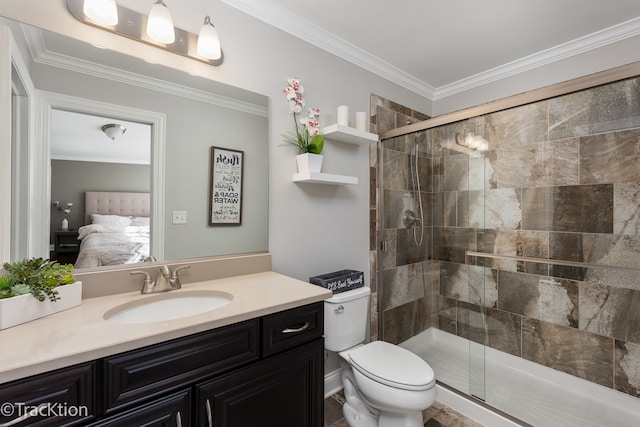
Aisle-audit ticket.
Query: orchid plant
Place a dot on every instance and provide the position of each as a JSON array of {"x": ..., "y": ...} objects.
[{"x": 306, "y": 137}]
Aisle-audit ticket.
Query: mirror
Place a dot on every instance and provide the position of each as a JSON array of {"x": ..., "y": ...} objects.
[{"x": 187, "y": 115}]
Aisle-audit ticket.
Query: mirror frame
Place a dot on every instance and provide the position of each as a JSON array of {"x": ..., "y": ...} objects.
[
  {"x": 49, "y": 101},
  {"x": 7, "y": 47}
]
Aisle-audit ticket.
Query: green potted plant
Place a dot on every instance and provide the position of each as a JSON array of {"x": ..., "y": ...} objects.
[
  {"x": 34, "y": 288},
  {"x": 306, "y": 137}
]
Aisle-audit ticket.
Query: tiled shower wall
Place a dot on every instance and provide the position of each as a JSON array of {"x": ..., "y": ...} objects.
[
  {"x": 387, "y": 115},
  {"x": 560, "y": 181}
]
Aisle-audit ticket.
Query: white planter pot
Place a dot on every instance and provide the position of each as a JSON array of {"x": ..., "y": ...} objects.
[
  {"x": 308, "y": 163},
  {"x": 25, "y": 308}
]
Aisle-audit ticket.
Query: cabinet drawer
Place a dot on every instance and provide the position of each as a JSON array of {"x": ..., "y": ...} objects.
[
  {"x": 67, "y": 396},
  {"x": 159, "y": 368},
  {"x": 290, "y": 328}
]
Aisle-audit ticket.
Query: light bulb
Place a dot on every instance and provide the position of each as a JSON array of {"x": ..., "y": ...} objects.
[
  {"x": 103, "y": 12},
  {"x": 159, "y": 24},
  {"x": 208, "y": 41}
]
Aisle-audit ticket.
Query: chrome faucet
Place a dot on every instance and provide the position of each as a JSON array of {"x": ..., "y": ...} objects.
[{"x": 166, "y": 280}]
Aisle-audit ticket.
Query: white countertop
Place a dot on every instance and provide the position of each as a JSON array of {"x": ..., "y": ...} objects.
[{"x": 81, "y": 334}]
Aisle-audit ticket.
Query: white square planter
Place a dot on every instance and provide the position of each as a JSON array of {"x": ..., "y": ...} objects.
[{"x": 25, "y": 308}]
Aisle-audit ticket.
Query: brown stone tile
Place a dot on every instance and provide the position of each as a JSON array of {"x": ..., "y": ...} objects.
[
  {"x": 538, "y": 165},
  {"x": 515, "y": 126},
  {"x": 601, "y": 109},
  {"x": 610, "y": 311},
  {"x": 610, "y": 157},
  {"x": 627, "y": 368},
  {"x": 456, "y": 173},
  {"x": 494, "y": 328},
  {"x": 402, "y": 285},
  {"x": 575, "y": 352},
  {"x": 446, "y": 316},
  {"x": 539, "y": 297},
  {"x": 450, "y": 244},
  {"x": 568, "y": 208},
  {"x": 395, "y": 170},
  {"x": 408, "y": 251},
  {"x": 405, "y": 321}
]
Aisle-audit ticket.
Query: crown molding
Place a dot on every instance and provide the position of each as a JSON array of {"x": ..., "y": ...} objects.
[
  {"x": 283, "y": 19},
  {"x": 580, "y": 45},
  {"x": 41, "y": 55},
  {"x": 287, "y": 21}
]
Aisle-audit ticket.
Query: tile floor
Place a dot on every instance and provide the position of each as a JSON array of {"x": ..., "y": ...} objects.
[{"x": 437, "y": 415}]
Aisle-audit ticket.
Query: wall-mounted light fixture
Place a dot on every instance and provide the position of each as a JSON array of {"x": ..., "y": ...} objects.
[
  {"x": 157, "y": 29},
  {"x": 113, "y": 130},
  {"x": 208, "y": 41},
  {"x": 472, "y": 141},
  {"x": 104, "y": 12},
  {"x": 160, "y": 24}
]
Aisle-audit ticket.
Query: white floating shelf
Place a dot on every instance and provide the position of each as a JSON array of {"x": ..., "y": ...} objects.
[
  {"x": 348, "y": 134},
  {"x": 324, "y": 178}
]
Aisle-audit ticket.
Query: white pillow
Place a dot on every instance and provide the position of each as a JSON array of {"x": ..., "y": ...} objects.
[
  {"x": 123, "y": 221},
  {"x": 140, "y": 221}
]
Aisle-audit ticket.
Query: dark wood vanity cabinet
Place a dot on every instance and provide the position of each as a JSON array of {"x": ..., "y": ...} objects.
[
  {"x": 261, "y": 372},
  {"x": 63, "y": 397},
  {"x": 279, "y": 391}
]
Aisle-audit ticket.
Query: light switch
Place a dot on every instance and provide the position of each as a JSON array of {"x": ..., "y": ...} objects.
[{"x": 179, "y": 217}]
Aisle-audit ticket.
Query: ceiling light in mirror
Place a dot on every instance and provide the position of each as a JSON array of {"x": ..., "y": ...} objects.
[
  {"x": 103, "y": 12},
  {"x": 160, "y": 24},
  {"x": 113, "y": 130},
  {"x": 208, "y": 41}
]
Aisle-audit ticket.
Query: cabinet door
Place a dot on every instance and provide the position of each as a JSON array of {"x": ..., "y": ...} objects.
[
  {"x": 284, "y": 390},
  {"x": 170, "y": 411},
  {"x": 59, "y": 398}
]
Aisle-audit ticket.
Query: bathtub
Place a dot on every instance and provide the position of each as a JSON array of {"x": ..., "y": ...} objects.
[{"x": 525, "y": 390}]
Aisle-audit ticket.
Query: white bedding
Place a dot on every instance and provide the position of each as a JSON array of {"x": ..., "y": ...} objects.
[{"x": 111, "y": 244}]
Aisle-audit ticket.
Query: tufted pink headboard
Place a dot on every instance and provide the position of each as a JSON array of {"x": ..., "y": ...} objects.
[{"x": 115, "y": 203}]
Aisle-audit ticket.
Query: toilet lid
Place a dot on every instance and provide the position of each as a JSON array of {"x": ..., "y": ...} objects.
[{"x": 392, "y": 365}]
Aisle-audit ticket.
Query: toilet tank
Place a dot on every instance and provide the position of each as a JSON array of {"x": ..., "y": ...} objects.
[{"x": 345, "y": 319}]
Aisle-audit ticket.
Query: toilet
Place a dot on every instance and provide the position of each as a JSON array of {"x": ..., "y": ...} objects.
[{"x": 384, "y": 385}]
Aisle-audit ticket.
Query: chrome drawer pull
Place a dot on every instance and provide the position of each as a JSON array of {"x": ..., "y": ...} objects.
[
  {"x": 209, "y": 415},
  {"x": 294, "y": 330},
  {"x": 178, "y": 420},
  {"x": 32, "y": 413},
  {"x": 340, "y": 309}
]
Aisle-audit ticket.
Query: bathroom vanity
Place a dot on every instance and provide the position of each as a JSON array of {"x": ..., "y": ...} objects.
[{"x": 252, "y": 362}]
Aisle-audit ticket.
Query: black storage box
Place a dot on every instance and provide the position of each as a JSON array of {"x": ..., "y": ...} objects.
[{"x": 339, "y": 281}]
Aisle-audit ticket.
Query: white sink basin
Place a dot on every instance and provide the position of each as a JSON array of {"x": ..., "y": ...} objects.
[{"x": 168, "y": 306}]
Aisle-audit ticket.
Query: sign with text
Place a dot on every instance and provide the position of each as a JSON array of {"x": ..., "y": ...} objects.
[{"x": 225, "y": 197}]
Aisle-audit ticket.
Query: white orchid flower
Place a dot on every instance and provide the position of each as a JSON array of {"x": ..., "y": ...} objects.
[
  {"x": 295, "y": 83},
  {"x": 295, "y": 107}
]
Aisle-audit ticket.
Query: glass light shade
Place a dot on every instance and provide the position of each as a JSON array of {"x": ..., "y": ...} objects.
[
  {"x": 160, "y": 24},
  {"x": 113, "y": 130},
  {"x": 208, "y": 41},
  {"x": 103, "y": 12}
]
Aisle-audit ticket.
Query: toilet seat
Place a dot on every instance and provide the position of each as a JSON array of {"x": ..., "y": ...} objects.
[{"x": 393, "y": 366}]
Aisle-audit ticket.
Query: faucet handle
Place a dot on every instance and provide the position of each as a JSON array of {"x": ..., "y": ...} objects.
[
  {"x": 174, "y": 275},
  {"x": 148, "y": 281}
]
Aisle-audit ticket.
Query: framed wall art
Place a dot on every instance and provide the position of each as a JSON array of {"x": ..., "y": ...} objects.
[{"x": 225, "y": 195}]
